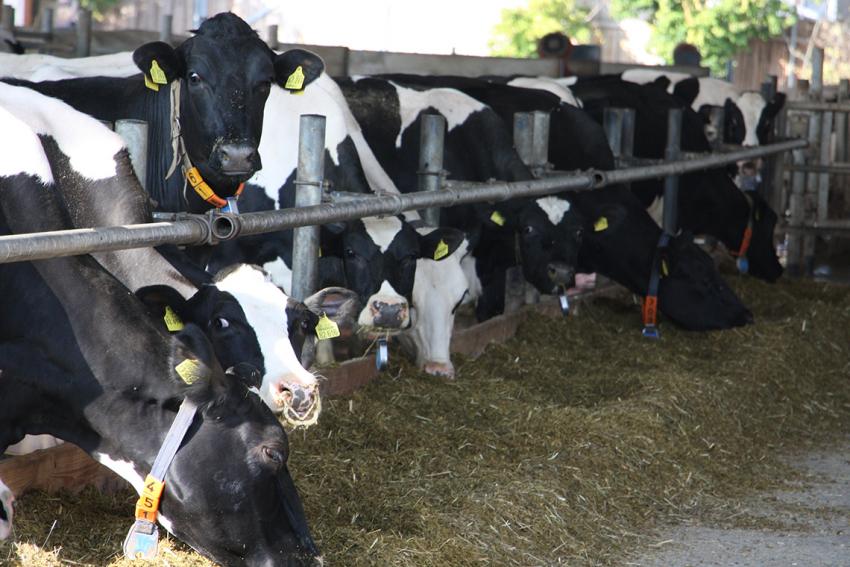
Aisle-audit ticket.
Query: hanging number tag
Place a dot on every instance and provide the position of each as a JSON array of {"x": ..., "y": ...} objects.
[
  {"x": 651, "y": 332},
  {"x": 497, "y": 218},
  {"x": 442, "y": 250},
  {"x": 142, "y": 541},
  {"x": 600, "y": 224},
  {"x": 564, "y": 301},
  {"x": 382, "y": 357},
  {"x": 295, "y": 82},
  {"x": 157, "y": 74},
  {"x": 743, "y": 265},
  {"x": 231, "y": 206},
  {"x": 326, "y": 329},
  {"x": 189, "y": 371},
  {"x": 172, "y": 320},
  {"x": 150, "y": 84}
]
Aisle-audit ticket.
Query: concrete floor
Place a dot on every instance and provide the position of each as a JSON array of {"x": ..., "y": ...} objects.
[{"x": 812, "y": 525}]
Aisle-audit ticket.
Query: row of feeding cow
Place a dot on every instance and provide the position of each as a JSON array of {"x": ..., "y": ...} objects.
[{"x": 91, "y": 348}]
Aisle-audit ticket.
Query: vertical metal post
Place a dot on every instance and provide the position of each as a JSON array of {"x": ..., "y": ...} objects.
[
  {"x": 524, "y": 136},
  {"x": 840, "y": 121},
  {"x": 165, "y": 26},
  {"x": 627, "y": 139},
  {"x": 825, "y": 159},
  {"x": 768, "y": 169},
  {"x": 135, "y": 136},
  {"x": 308, "y": 191},
  {"x": 813, "y": 179},
  {"x": 717, "y": 120},
  {"x": 47, "y": 21},
  {"x": 272, "y": 39},
  {"x": 84, "y": 21},
  {"x": 797, "y": 126},
  {"x": 612, "y": 121},
  {"x": 7, "y": 21},
  {"x": 540, "y": 143},
  {"x": 671, "y": 182},
  {"x": 430, "y": 174}
]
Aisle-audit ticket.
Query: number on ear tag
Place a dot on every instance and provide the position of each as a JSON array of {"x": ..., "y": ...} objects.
[
  {"x": 295, "y": 82},
  {"x": 172, "y": 320},
  {"x": 157, "y": 74},
  {"x": 150, "y": 84},
  {"x": 600, "y": 224},
  {"x": 442, "y": 250},
  {"x": 189, "y": 371},
  {"x": 497, "y": 218},
  {"x": 142, "y": 541},
  {"x": 326, "y": 329}
]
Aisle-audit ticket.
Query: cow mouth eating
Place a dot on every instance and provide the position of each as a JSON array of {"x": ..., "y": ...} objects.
[{"x": 299, "y": 406}]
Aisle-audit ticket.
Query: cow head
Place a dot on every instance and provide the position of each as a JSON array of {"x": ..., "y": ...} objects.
[
  {"x": 242, "y": 510},
  {"x": 376, "y": 258},
  {"x": 771, "y": 109},
  {"x": 226, "y": 73},
  {"x": 761, "y": 254},
  {"x": 6, "y": 511}
]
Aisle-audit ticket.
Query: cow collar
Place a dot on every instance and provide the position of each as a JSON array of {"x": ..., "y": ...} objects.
[
  {"x": 192, "y": 177},
  {"x": 142, "y": 540},
  {"x": 746, "y": 239},
  {"x": 650, "y": 302}
]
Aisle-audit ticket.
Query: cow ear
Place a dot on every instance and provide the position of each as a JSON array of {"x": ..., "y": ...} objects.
[
  {"x": 159, "y": 297},
  {"x": 440, "y": 243},
  {"x": 341, "y": 305},
  {"x": 199, "y": 351},
  {"x": 297, "y": 68},
  {"x": 662, "y": 82},
  {"x": 687, "y": 90},
  {"x": 774, "y": 105},
  {"x": 246, "y": 374},
  {"x": 159, "y": 62}
]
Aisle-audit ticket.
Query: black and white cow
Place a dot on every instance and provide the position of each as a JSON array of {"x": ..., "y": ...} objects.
[
  {"x": 541, "y": 235},
  {"x": 82, "y": 361},
  {"x": 245, "y": 315},
  {"x": 222, "y": 76},
  {"x": 7, "y": 512},
  {"x": 709, "y": 201},
  {"x": 748, "y": 116},
  {"x": 694, "y": 296}
]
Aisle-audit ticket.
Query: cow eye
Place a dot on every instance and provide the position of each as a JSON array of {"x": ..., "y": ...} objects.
[
  {"x": 194, "y": 78},
  {"x": 349, "y": 253},
  {"x": 527, "y": 229},
  {"x": 221, "y": 323},
  {"x": 273, "y": 456}
]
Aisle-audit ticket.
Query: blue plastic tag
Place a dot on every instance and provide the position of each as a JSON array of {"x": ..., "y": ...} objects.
[
  {"x": 651, "y": 332},
  {"x": 564, "y": 302},
  {"x": 743, "y": 265},
  {"x": 231, "y": 206},
  {"x": 382, "y": 357},
  {"x": 142, "y": 541}
]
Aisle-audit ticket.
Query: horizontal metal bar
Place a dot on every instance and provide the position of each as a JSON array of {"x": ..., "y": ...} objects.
[
  {"x": 196, "y": 228},
  {"x": 836, "y": 167},
  {"x": 817, "y": 106}
]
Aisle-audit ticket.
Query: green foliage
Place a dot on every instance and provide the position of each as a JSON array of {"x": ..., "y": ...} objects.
[
  {"x": 99, "y": 7},
  {"x": 517, "y": 33},
  {"x": 719, "y": 28}
]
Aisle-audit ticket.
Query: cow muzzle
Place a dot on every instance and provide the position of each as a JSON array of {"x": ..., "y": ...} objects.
[
  {"x": 389, "y": 315},
  {"x": 238, "y": 159},
  {"x": 561, "y": 274},
  {"x": 445, "y": 369},
  {"x": 300, "y": 405}
]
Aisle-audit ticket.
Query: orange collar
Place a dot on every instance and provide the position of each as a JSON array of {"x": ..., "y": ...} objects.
[{"x": 193, "y": 176}]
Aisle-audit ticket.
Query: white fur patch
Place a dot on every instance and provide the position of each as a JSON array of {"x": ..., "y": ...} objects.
[
  {"x": 124, "y": 469},
  {"x": 280, "y": 273},
  {"x": 264, "y": 305},
  {"x": 385, "y": 294},
  {"x": 38, "y": 68},
  {"x": 751, "y": 106},
  {"x": 85, "y": 141},
  {"x": 382, "y": 231},
  {"x": 453, "y": 104},
  {"x": 6, "y": 499},
  {"x": 554, "y": 207},
  {"x": 656, "y": 210},
  {"x": 549, "y": 85},
  {"x": 31, "y": 443},
  {"x": 21, "y": 149}
]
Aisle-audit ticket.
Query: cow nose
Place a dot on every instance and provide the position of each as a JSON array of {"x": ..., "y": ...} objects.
[
  {"x": 236, "y": 159},
  {"x": 388, "y": 315},
  {"x": 561, "y": 273},
  {"x": 300, "y": 405}
]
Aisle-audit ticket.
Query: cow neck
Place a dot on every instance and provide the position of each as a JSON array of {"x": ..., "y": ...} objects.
[
  {"x": 649, "y": 309},
  {"x": 191, "y": 175}
]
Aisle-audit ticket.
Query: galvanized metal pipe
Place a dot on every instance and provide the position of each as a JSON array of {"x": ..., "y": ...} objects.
[
  {"x": 671, "y": 182},
  {"x": 612, "y": 123},
  {"x": 194, "y": 231},
  {"x": 272, "y": 37},
  {"x": 7, "y": 18},
  {"x": 308, "y": 191},
  {"x": 84, "y": 21},
  {"x": 47, "y": 22},
  {"x": 430, "y": 175},
  {"x": 135, "y": 136},
  {"x": 165, "y": 26},
  {"x": 540, "y": 142},
  {"x": 627, "y": 137},
  {"x": 524, "y": 136}
]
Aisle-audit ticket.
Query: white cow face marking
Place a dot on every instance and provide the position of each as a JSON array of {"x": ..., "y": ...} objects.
[
  {"x": 287, "y": 387},
  {"x": 751, "y": 106},
  {"x": 554, "y": 207}
]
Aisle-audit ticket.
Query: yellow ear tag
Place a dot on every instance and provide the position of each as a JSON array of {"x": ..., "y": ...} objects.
[
  {"x": 172, "y": 320},
  {"x": 497, "y": 218},
  {"x": 157, "y": 74},
  {"x": 189, "y": 371},
  {"x": 150, "y": 84},
  {"x": 600, "y": 224},
  {"x": 664, "y": 270},
  {"x": 295, "y": 82},
  {"x": 326, "y": 329},
  {"x": 442, "y": 250}
]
